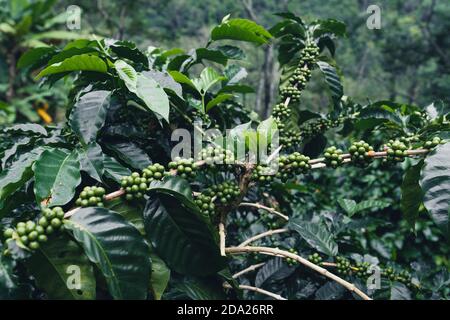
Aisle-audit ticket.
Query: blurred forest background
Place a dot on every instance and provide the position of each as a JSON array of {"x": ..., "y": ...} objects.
[{"x": 406, "y": 60}]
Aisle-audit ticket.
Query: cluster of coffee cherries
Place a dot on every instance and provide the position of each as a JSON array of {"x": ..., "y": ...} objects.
[
  {"x": 360, "y": 153},
  {"x": 186, "y": 168},
  {"x": 263, "y": 174},
  {"x": 361, "y": 269},
  {"x": 315, "y": 127},
  {"x": 396, "y": 151},
  {"x": 32, "y": 234},
  {"x": 300, "y": 77},
  {"x": 270, "y": 220},
  {"x": 281, "y": 111},
  {"x": 292, "y": 165},
  {"x": 291, "y": 92},
  {"x": 91, "y": 197},
  {"x": 219, "y": 194},
  {"x": 343, "y": 265},
  {"x": 429, "y": 144},
  {"x": 402, "y": 276},
  {"x": 137, "y": 184},
  {"x": 333, "y": 157},
  {"x": 292, "y": 262},
  {"x": 309, "y": 54},
  {"x": 217, "y": 156},
  {"x": 315, "y": 258}
]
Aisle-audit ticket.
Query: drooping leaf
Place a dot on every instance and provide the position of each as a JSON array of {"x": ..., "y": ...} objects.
[
  {"x": 435, "y": 183},
  {"x": 127, "y": 74},
  {"x": 91, "y": 159},
  {"x": 160, "y": 276},
  {"x": 88, "y": 115},
  {"x": 15, "y": 176},
  {"x": 116, "y": 247},
  {"x": 114, "y": 169},
  {"x": 242, "y": 30},
  {"x": 217, "y": 100},
  {"x": 165, "y": 81},
  {"x": 316, "y": 235},
  {"x": 399, "y": 291},
  {"x": 180, "y": 237},
  {"x": 62, "y": 270},
  {"x": 57, "y": 174},
  {"x": 211, "y": 55},
  {"x": 130, "y": 153},
  {"x": 153, "y": 96},
  {"x": 351, "y": 207},
  {"x": 27, "y": 128},
  {"x": 83, "y": 62},
  {"x": 128, "y": 50},
  {"x": 35, "y": 57},
  {"x": 131, "y": 213},
  {"x": 232, "y": 52},
  {"x": 411, "y": 194},
  {"x": 332, "y": 79},
  {"x": 274, "y": 269},
  {"x": 181, "y": 78}
]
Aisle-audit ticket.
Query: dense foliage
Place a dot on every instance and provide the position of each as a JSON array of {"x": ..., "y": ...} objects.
[{"x": 101, "y": 195}]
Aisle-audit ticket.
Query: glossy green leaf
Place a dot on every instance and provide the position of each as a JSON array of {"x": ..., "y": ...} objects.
[
  {"x": 57, "y": 174},
  {"x": 316, "y": 235},
  {"x": 88, "y": 115},
  {"x": 27, "y": 128},
  {"x": 91, "y": 159},
  {"x": 242, "y": 30},
  {"x": 114, "y": 169},
  {"x": 153, "y": 96},
  {"x": 435, "y": 183},
  {"x": 217, "y": 100},
  {"x": 180, "y": 237},
  {"x": 274, "y": 269},
  {"x": 131, "y": 212},
  {"x": 127, "y": 74},
  {"x": 208, "y": 78},
  {"x": 62, "y": 270},
  {"x": 232, "y": 52},
  {"x": 160, "y": 276},
  {"x": 181, "y": 78},
  {"x": 201, "y": 288},
  {"x": 34, "y": 56},
  {"x": 351, "y": 207},
  {"x": 116, "y": 247},
  {"x": 15, "y": 176},
  {"x": 411, "y": 194},
  {"x": 165, "y": 81},
  {"x": 83, "y": 62},
  {"x": 332, "y": 79},
  {"x": 130, "y": 153}
]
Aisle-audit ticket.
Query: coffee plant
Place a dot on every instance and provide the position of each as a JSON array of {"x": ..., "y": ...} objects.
[{"x": 99, "y": 207}]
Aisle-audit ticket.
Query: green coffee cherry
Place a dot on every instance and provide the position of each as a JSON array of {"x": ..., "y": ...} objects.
[
  {"x": 430, "y": 144},
  {"x": 396, "y": 151},
  {"x": 315, "y": 258},
  {"x": 292, "y": 262},
  {"x": 217, "y": 195},
  {"x": 185, "y": 168},
  {"x": 217, "y": 156}
]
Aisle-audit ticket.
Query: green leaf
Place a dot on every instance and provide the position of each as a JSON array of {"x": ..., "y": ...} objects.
[
  {"x": 165, "y": 81},
  {"x": 200, "y": 288},
  {"x": 411, "y": 194},
  {"x": 32, "y": 128},
  {"x": 9, "y": 282},
  {"x": 153, "y": 96},
  {"x": 330, "y": 26},
  {"x": 127, "y": 74},
  {"x": 131, "y": 213},
  {"x": 242, "y": 30},
  {"x": 232, "y": 52},
  {"x": 116, "y": 247},
  {"x": 19, "y": 172},
  {"x": 332, "y": 79},
  {"x": 160, "y": 276},
  {"x": 91, "y": 160},
  {"x": 234, "y": 74},
  {"x": 351, "y": 207},
  {"x": 57, "y": 174},
  {"x": 238, "y": 88},
  {"x": 274, "y": 268},
  {"x": 83, "y": 62},
  {"x": 130, "y": 153},
  {"x": 330, "y": 291},
  {"x": 208, "y": 78},
  {"x": 57, "y": 264},
  {"x": 128, "y": 50},
  {"x": 399, "y": 291},
  {"x": 435, "y": 183},
  {"x": 316, "y": 235},
  {"x": 180, "y": 237},
  {"x": 88, "y": 115},
  {"x": 218, "y": 99},
  {"x": 114, "y": 169},
  {"x": 34, "y": 56},
  {"x": 181, "y": 78},
  {"x": 211, "y": 55}
]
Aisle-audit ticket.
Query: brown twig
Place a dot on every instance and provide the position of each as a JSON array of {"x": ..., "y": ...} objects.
[
  {"x": 260, "y": 206},
  {"x": 258, "y": 290},
  {"x": 286, "y": 254},
  {"x": 262, "y": 235},
  {"x": 247, "y": 270}
]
